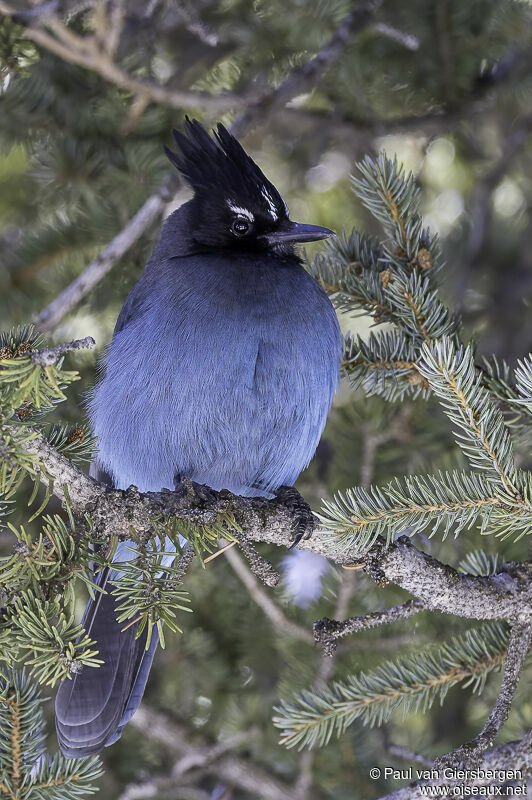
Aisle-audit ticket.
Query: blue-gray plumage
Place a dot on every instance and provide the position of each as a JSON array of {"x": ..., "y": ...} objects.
[{"x": 222, "y": 368}]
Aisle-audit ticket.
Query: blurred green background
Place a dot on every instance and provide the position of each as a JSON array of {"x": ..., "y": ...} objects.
[{"x": 443, "y": 84}]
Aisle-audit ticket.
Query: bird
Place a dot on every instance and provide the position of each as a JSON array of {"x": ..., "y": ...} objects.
[{"x": 221, "y": 369}]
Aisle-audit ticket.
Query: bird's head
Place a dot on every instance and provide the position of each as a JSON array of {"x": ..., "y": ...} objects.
[{"x": 234, "y": 206}]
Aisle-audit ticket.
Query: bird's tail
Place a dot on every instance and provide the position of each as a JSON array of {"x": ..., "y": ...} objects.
[{"x": 92, "y": 708}]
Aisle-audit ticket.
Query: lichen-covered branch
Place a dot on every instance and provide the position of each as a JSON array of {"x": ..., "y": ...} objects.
[
  {"x": 504, "y": 595},
  {"x": 329, "y": 630}
]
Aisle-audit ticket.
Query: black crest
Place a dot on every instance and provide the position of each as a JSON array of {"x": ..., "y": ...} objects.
[{"x": 219, "y": 164}]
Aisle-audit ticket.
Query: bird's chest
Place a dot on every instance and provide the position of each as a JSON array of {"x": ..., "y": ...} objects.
[
  {"x": 245, "y": 333},
  {"x": 215, "y": 368}
]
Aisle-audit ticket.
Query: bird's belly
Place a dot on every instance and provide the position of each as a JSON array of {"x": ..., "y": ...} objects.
[
  {"x": 248, "y": 422},
  {"x": 228, "y": 396}
]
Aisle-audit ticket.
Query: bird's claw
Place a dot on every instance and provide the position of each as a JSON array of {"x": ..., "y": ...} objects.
[{"x": 303, "y": 524}]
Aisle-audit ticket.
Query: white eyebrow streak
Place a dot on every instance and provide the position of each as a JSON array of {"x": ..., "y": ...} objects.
[
  {"x": 242, "y": 211},
  {"x": 271, "y": 205}
]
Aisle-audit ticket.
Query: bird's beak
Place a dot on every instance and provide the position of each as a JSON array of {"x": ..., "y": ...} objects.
[{"x": 289, "y": 231}]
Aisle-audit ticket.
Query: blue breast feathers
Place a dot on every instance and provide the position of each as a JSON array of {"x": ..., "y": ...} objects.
[{"x": 224, "y": 373}]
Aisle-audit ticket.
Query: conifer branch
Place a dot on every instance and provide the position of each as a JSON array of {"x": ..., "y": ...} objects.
[
  {"x": 523, "y": 379},
  {"x": 313, "y": 717},
  {"x": 448, "y": 501},
  {"x": 507, "y": 595},
  {"x": 87, "y": 52},
  {"x": 471, "y": 753},
  {"x": 385, "y": 364},
  {"x": 26, "y": 772},
  {"x": 450, "y": 372},
  {"x": 39, "y": 633},
  {"x": 327, "y": 631}
]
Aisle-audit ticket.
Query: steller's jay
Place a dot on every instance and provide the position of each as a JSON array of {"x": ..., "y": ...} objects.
[{"x": 222, "y": 368}]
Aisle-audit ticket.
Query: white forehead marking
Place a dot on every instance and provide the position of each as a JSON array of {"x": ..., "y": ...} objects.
[
  {"x": 242, "y": 211},
  {"x": 271, "y": 205}
]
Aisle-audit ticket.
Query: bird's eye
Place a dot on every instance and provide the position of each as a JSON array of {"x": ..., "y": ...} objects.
[{"x": 240, "y": 226}]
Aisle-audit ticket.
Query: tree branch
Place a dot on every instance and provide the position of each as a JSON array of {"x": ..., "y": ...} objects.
[
  {"x": 301, "y": 79},
  {"x": 242, "y": 773},
  {"x": 481, "y": 212},
  {"x": 504, "y": 595},
  {"x": 327, "y": 631},
  {"x": 469, "y": 754},
  {"x": 51, "y": 355},
  {"x": 103, "y": 263},
  {"x": 258, "y": 565},
  {"x": 87, "y": 52},
  {"x": 479, "y": 101},
  {"x": 400, "y": 751}
]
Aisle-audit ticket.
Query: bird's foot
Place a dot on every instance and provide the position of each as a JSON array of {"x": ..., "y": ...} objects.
[{"x": 304, "y": 520}]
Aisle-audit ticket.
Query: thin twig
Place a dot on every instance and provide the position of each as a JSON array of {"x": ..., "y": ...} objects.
[
  {"x": 481, "y": 213},
  {"x": 45, "y": 358},
  {"x": 328, "y": 630},
  {"x": 206, "y": 755},
  {"x": 327, "y": 664},
  {"x": 280, "y": 622},
  {"x": 259, "y": 566},
  {"x": 300, "y": 80},
  {"x": 408, "y": 40},
  {"x": 399, "y": 751},
  {"x": 243, "y": 773},
  {"x": 66, "y": 300},
  {"x": 479, "y": 101},
  {"x": 324, "y": 673},
  {"x": 481, "y": 204},
  {"x": 85, "y": 51},
  {"x": 219, "y": 552}
]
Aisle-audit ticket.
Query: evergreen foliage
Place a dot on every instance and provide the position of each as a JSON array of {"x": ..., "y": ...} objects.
[
  {"x": 424, "y": 342},
  {"x": 79, "y": 156},
  {"x": 26, "y": 772},
  {"x": 148, "y": 590},
  {"x": 414, "y": 683},
  {"x": 422, "y": 354}
]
